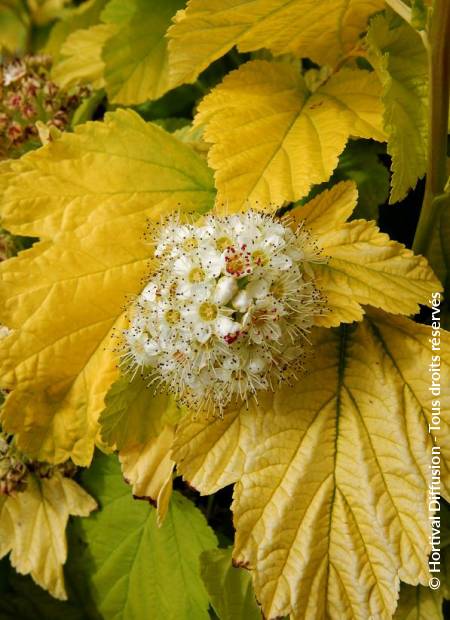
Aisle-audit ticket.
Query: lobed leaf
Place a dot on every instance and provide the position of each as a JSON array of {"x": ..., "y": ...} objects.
[
  {"x": 128, "y": 550},
  {"x": 120, "y": 165},
  {"x": 81, "y": 57},
  {"x": 136, "y": 58},
  {"x": 33, "y": 528},
  {"x": 148, "y": 468},
  {"x": 94, "y": 190},
  {"x": 230, "y": 589},
  {"x": 364, "y": 267},
  {"x": 331, "y": 506},
  {"x": 323, "y": 31},
  {"x": 272, "y": 139},
  {"x": 400, "y": 60}
]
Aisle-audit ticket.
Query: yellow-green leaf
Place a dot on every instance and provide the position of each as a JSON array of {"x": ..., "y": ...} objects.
[
  {"x": 94, "y": 190},
  {"x": 419, "y": 603},
  {"x": 133, "y": 414},
  {"x": 140, "y": 424},
  {"x": 400, "y": 60},
  {"x": 33, "y": 528},
  {"x": 14, "y": 26},
  {"x": 137, "y": 570},
  {"x": 272, "y": 139},
  {"x": 230, "y": 589},
  {"x": 364, "y": 266},
  {"x": 332, "y": 506},
  {"x": 81, "y": 57},
  {"x": 44, "y": 11},
  {"x": 136, "y": 58},
  {"x": 83, "y": 16},
  {"x": 207, "y": 29}
]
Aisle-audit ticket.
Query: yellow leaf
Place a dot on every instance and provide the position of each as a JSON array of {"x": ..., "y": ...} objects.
[
  {"x": 272, "y": 139},
  {"x": 121, "y": 165},
  {"x": 207, "y": 29},
  {"x": 75, "y": 18},
  {"x": 208, "y": 452},
  {"x": 364, "y": 267},
  {"x": 331, "y": 506},
  {"x": 33, "y": 528},
  {"x": 148, "y": 468},
  {"x": 94, "y": 190},
  {"x": 81, "y": 57}
]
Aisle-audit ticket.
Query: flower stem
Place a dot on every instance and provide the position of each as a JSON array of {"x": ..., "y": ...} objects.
[{"x": 439, "y": 88}]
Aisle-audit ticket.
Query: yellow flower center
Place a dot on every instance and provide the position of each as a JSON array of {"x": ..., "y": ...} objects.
[
  {"x": 223, "y": 243},
  {"x": 260, "y": 258},
  {"x": 235, "y": 265},
  {"x": 190, "y": 244},
  {"x": 207, "y": 311},
  {"x": 172, "y": 316},
  {"x": 196, "y": 275}
]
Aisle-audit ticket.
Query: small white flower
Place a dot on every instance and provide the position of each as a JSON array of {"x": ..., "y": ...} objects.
[
  {"x": 4, "y": 331},
  {"x": 228, "y": 311}
]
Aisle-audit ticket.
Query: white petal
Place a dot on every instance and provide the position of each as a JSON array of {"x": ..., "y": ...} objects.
[
  {"x": 258, "y": 288},
  {"x": 280, "y": 261},
  {"x": 203, "y": 332},
  {"x": 257, "y": 364},
  {"x": 242, "y": 301},
  {"x": 226, "y": 289},
  {"x": 149, "y": 292},
  {"x": 226, "y": 326}
]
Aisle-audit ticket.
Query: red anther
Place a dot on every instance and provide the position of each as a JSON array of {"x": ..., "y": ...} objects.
[{"x": 230, "y": 338}]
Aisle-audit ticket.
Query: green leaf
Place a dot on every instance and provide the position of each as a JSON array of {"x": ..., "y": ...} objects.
[
  {"x": 136, "y": 58},
  {"x": 419, "y": 14},
  {"x": 133, "y": 414},
  {"x": 360, "y": 162},
  {"x": 13, "y": 26},
  {"x": 400, "y": 60},
  {"x": 419, "y": 603},
  {"x": 118, "y": 12},
  {"x": 229, "y": 588},
  {"x": 138, "y": 570},
  {"x": 21, "y": 599}
]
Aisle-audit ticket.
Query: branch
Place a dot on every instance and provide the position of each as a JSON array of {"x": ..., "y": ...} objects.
[{"x": 439, "y": 88}]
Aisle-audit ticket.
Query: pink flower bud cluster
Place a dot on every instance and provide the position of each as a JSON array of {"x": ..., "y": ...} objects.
[{"x": 28, "y": 95}]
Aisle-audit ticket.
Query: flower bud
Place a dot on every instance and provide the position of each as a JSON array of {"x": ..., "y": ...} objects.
[{"x": 225, "y": 290}]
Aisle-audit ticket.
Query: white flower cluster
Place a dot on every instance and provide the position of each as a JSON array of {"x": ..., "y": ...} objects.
[{"x": 228, "y": 311}]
